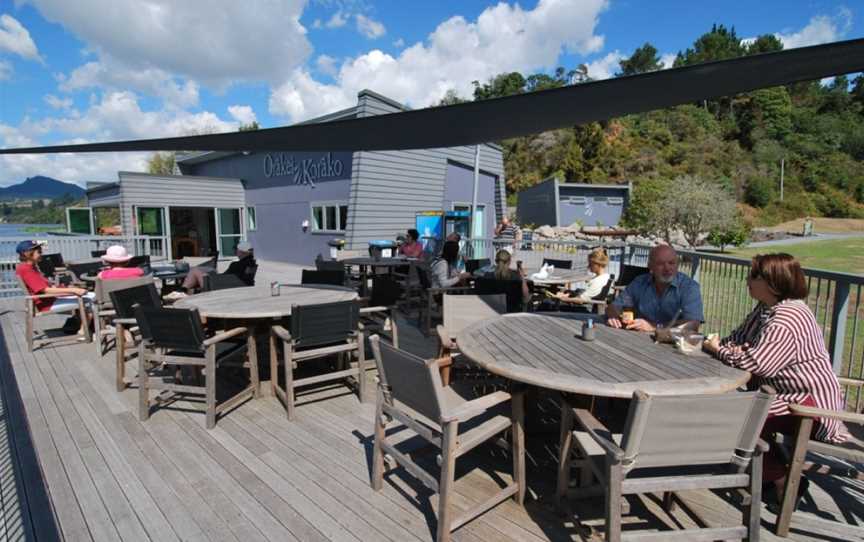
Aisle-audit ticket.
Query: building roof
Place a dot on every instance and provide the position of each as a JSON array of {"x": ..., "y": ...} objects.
[{"x": 587, "y": 185}]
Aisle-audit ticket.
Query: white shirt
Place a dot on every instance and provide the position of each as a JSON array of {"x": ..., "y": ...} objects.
[{"x": 594, "y": 286}]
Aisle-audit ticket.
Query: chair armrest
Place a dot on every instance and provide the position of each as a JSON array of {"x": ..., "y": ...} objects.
[
  {"x": 446, "y": 361},
  {"x": 45, "y": 296},
  {"x": 450, "y": 290},
  {"x": 126, "y": 321},
  {"x": 281, "y": 332},
  {"x": 762, "y": 446},
  {"x": 475, "y": 407},
  {"x": 379, "y": 308},
  {"x": 107, "y": 312},
  {"x": 225, "y": 335},
  {"x": 601, "y": 435},
  {"x": 811, "y": 412},
  {"x": 850, "y": 382},
  {"x": 444, "y": 336}
]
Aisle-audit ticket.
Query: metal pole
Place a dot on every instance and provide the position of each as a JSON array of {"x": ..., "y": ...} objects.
[
  {"x": 782, "y": 171},
  {"x": 474, "y": 197}
]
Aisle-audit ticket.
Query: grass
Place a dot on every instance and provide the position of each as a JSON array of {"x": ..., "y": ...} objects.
[
  {"x": 845, "y": 255},
  {"x": 43, "y": 229}
]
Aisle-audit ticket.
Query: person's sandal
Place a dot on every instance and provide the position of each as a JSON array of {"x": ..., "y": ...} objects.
[{"x": 774, "y": 501}]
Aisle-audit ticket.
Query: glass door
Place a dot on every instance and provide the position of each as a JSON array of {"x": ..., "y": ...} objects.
[
  {"x": 79, "y": 220},
  {"x": 150, "y": 221},
  {"x": 229, "y": 231}
]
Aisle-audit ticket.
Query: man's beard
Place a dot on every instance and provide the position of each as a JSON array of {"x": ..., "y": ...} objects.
[{"x": 664, "y": 280}]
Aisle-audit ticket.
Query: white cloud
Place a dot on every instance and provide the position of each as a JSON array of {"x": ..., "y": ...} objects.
[
  {"x": 370, "y": 28},
  {"x": 316, "y": 23},
  {"x": 604, "y": 68},
  {"x": 58, "y": 103},
  {"x": 326, "y": 64},
  {"x": 242, "y": 114},
  {"x": 399, "y": 43},
  {"x": 338, "y": 20},
  {"x": 668, "y": 60},
  {"x": 5, "y": 70},
  {"x": 820, "y": 29},
  {"x": 503, "y": 38},
  {"x": 15, "y": 39}
]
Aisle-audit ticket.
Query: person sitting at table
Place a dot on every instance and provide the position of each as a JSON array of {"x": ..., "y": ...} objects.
[
  {"x": 503, "y": 271},
  {"x": 661, "y": 297},
  {"x": 29, "y": 254},
  {"x": 598, "y": 261},
  {"x": 444, "y": 270},
  {"x": 411, "y": 248},
  {"x": 116, "y": 257},
  {"x": 781, "y": 345},
  {"x": 240, "y": 268}
]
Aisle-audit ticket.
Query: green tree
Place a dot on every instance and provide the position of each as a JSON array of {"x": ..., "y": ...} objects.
[
  {"x": 249, "y": 127},
  {"x": 736, "y": 234},
  {"x": 162, "y": 163},
  {"x": 643, "y": 60},
  {"x": 720, "y": 43},
  {"x": 451, "y": 97},
  {"x": 766, "y": 43},
  {"x": 505, "y": 84},
  {"x": 759, "y": 192}
]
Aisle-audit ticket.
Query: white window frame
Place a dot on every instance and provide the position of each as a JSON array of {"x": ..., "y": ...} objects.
[
  {"x": 616, "y": 201},
  {"x": 340, "y": 228},
  {"x": 251, "y": 218},
  {"x": 573, "y": 200}
]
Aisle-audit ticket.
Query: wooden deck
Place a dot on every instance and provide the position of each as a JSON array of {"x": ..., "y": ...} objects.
[{"x": 77, "y": 464}]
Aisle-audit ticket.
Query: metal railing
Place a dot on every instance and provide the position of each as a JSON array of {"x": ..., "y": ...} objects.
[
  {"x": 532, "y": 252},
  {"x": 73, "y": 248}
]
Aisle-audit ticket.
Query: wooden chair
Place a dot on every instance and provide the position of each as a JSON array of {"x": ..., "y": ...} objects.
[
  {"x": 175, "y": 338},
  {"x": 329, "y": 265},
  {"x": 559, "y": 264},
  {"x": 512, "y": 289},
  {"x": 78, "y": 270},
  {"x": 410, "y": 392},
  {"x": 221, "y": 281},
  {"x": 596, "y": 304},
  {"x": 379, "y": 315},
  {"x": 429, "y": 298},
  {"x": 851, "y": 451},
  {"x": 672, "y": 443},
  {"x": 249, "y": 275},
  {"x": 31, "y": 313},
  {"x": 98, "y": 253},
  {"x": 317, "y": 331},
  {"x": 124, "y": 302},
  {"x": 460, "y": 311},
  {"x": 628, "y": 273},
  {"x": 331, "y": 277},
  {"x": 139, "y": 261},
  {"x": 103, "y": 310}
]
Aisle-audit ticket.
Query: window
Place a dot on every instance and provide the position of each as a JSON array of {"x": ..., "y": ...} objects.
[
  {"x": 573, "y": 200},
  {"x": 250, "y": 219},
  {"x": 616, "y": 201},
  {"x": 329, "y": 217}
]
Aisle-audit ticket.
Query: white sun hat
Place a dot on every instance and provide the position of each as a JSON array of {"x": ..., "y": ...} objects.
[{"x": 116, "y": 254}]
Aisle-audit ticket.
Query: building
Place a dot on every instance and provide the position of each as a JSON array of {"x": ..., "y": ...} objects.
[
  {"x": 554, "y": 203},
  {"x": 290, "y": 205}
]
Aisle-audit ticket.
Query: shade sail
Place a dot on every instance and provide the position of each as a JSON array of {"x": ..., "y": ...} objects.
[{"x": 501, "y": 118}]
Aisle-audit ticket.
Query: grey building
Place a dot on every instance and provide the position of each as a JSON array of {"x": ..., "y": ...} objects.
[
  {"x": 555, "y": 203},
  {"x": 290, "y": 205}
]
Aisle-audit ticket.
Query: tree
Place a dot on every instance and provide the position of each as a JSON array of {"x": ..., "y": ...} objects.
[
  {"x": 759, "y": 192},
  {"x": 249, "y": 127},
  {"x": 161, "y": 163},
  {"x": 451, "y": 97},
  {"x": 643, "y": 60},
  {"x": 736, "y": 235},
  {"x": 720, "y": 43},
  {"x": 767, "y": 43},
  {"x": 505, "y": 84}
]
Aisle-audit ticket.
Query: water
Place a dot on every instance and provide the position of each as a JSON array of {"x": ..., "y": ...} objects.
[{"x": 18, "y": 230}]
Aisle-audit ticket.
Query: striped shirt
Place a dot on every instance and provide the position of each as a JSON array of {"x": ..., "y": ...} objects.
[{"x": 782, "y": 346}]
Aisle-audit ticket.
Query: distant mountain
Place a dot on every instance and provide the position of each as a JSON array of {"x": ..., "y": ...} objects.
[{"x": 41, "y": 187}]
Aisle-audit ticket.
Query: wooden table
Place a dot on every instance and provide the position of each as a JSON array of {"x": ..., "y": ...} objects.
[
  {"x": 562, "y": 277},
  {"x": 541, "y": 350},
  {"x": 365, "y": 262},
  {"x": 256, "y": 303}
]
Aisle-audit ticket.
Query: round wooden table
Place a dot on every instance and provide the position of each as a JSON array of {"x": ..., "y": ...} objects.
[
  {"x": 256, "y": 303},
  {"x": 543, "y": 350}
]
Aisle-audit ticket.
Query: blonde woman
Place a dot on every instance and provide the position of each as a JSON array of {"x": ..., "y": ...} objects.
[
  {"x": 598, "y": 261},
  {"x": 504, "y": 272}
]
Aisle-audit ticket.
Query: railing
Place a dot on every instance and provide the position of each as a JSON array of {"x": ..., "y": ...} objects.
[
  {"x": 532, "y": 252},
  {"x": 73, "y": 247}
]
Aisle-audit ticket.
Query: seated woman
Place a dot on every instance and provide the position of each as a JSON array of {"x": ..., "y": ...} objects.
[
  {"x": 504, "y": 272},
  {"x": 412, "y": 248},
  {"x": 29, "y": 254},
  {"x": 116, "y": 257},
  {"x": 245, "y": 259},
  {"x": 781, "y": 344},
  {"x": 598, "y": 261},
  {"x": 443, "y": 269}
]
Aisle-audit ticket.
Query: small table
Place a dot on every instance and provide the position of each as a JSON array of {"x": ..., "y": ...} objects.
[
  {"x": 562, "y": 277},
  {"x": 542, "y": 350},
  {"x": 364, "y": 263}
]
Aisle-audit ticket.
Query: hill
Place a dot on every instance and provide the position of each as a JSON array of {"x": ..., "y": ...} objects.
[{"x": 40, "y": 187}]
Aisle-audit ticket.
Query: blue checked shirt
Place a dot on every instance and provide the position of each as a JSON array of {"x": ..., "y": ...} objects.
[{"x": 683, "y": 292}]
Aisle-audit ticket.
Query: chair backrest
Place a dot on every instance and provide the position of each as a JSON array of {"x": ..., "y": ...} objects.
[
  {"x": 98, "y": 253},
  {"x": 139, "y": 261},
  {"x": 124, "y": 300},
  {"x": 510, "y": 288},
  {"x": 325, "y": 323},
  {"x": 333, "y": 277},
  {"x": 407, "y": 379},
  {"x": 221, "y": 281},
  {"x": 667, "y": 431},
  {"x": 474, "y": 265},
  {"x": 104, "y": 288},
  {"x": 423, "y": 277},
  {"x": 604, "y": 293},
  {"x": 56, "y": 259},
  {"x": 630, "y": 272},
  {"x": 460, "y": 311},
  {"x": 87, "y": 268},
  {"x": 385, "y": 291},
  {"x": 47, "y": 266},
  {"x": 249, "y": 274},
  {"x": 559, "y": 264},
  {"x": 329, "y": 265},
  {"x": 175, "y": 329}
]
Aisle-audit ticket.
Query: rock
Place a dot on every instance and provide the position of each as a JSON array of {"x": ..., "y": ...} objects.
[{"x": 545, "y": 231}]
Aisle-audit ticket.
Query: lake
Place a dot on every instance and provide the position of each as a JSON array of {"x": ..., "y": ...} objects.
[{"x": 17, "y": 230}]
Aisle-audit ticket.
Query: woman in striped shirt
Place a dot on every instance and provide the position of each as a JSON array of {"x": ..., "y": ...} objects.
[{"x": 781, "y": 344}]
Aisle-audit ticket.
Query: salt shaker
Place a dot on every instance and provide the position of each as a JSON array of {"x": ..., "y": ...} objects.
[
  {"x": 274, "y": 289},
  {"x": 588, "y": 330}
]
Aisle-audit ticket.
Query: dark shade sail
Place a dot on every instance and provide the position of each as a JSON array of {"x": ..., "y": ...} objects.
[{"x": 512, "y": 116}]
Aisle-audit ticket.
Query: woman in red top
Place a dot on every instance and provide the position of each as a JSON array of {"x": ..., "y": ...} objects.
[
  {"x": 412, "y": 248},
  {"x": 117, "y": 258},
  {"x": 29, "y": 253},
  {"x": 781, "y": 345}
]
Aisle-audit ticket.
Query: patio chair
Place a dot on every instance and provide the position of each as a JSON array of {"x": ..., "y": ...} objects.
[
  {"x": 851, "y": 451},
  {"x": 329, "y": 265},
  {"x": 671, "y": 443},
  {"x": 31, "y": 313},
  {"x": 473, "y": 265},
  {"x": 559, "y": 264},
  {"x": 596, "y": 304},
  {"x": 175, "y": 339},
  {"x": 139, "y": 261},
  {"x": 628, "y": 273},
  {"x": 124, "y": 302},
  {"x": 317, "y": 331},
  {"x": 78, "y": 270},
  {"x": 460, "y": 311},
  {"x": 379, "y": 315},
  {"x": 410, "y": 392},
  {"x": 510, "y": 288},
  {"x": 98, "y": 253},
  {"x": 103, "y": 309},
  {"x": 331, "y": 277},
  {"x": 221, "y": 281},
  {"x": 428, "y": 299}
]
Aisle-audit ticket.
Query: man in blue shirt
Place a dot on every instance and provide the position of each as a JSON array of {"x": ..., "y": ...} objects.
[{"x": 661, "y": 297}]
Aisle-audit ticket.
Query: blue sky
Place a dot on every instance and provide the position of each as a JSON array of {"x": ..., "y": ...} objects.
[{"x": 90, "y": 70}]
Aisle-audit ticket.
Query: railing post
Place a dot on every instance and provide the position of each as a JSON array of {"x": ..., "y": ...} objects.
[
  {"x": 694, "y": 266},
  {"x": 839, "y": 312}
]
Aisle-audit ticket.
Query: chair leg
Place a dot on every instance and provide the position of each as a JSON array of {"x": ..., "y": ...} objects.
[
  {"x": 613, "y": 502},
  {"x": 565, "y": 448},
  {"x": 252, "y": 353},
  {"x": 752, "y": 519},
  {"x": 518, "y": 446},
  {"x": 445, "y": 485},
  {"x": 84, "y": 325},
  {"x": 29, "y": 326},
  {"x": 427, "y": 316},
  {"x": 274, "y": 365},
  {"x": 790, "y": 491},
  {"x": 143, "y": 388},
  {"x": 394, "y": 329},
  {"x": 120, "y": 358},
  {"x": 210, "y": 386},
  {"x": 361, "y": 366},
  {"x": 97, "y": 330},
  {"x": 377, "y": 450},
  {"x": 289, "y": 379}
]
